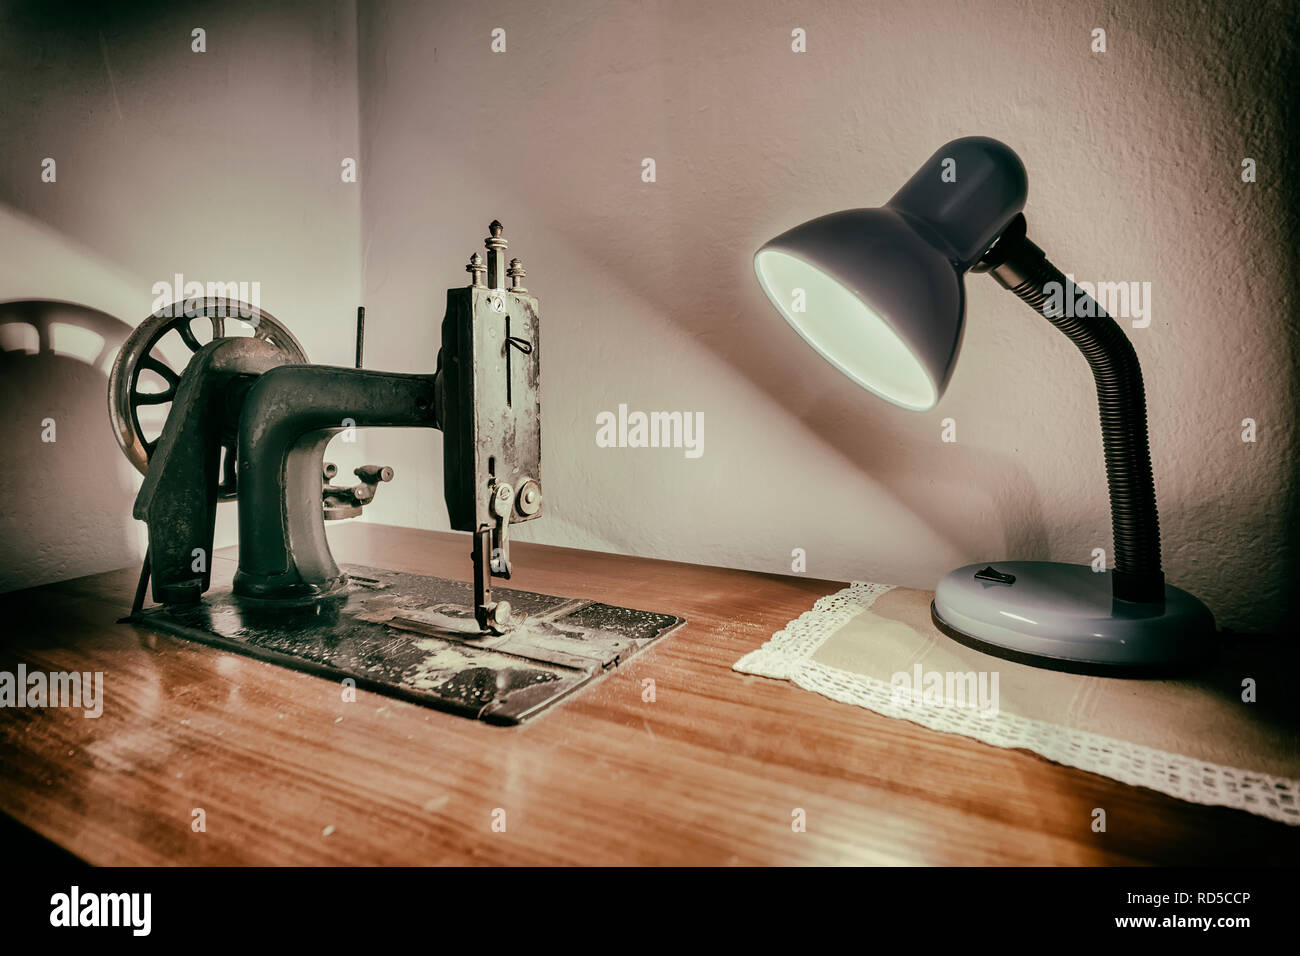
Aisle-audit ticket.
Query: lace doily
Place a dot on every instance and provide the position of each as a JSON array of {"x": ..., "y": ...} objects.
[{"x": 788, "y": 656}]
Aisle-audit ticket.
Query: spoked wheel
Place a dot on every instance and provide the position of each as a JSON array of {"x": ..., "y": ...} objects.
[{"x": 140, "y": 353}]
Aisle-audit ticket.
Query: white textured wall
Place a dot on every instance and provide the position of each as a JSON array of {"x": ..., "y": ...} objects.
[
  {"x": 221, "y": 166},
  {"x": 226, "y": 165},
  {"x": 648, "y": 296}
]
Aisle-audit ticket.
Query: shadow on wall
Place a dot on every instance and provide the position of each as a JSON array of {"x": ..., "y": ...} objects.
[
  {"x": 883, "y": 446},
  {"x": 54, "y": 364},
  {"x": 879, "y": 445},
  {"x": 1290, "y": 136},
  {"x": 1270, "y": 135}
]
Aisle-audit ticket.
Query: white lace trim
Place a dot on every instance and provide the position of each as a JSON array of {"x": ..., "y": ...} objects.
[{"x": 787, "y": 656}]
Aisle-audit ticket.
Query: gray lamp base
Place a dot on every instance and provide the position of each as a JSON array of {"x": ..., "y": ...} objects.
[{"x": 1063, "y": 616}]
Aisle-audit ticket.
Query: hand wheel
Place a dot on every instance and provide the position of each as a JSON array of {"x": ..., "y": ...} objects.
[{"x": 137, "y": 355}]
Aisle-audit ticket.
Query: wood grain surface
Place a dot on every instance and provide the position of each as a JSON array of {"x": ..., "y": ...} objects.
[{"x": 710, "y": 772}]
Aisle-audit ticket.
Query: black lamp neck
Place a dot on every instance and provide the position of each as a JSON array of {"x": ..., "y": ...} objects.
[{"x": 1019, "y": 265}]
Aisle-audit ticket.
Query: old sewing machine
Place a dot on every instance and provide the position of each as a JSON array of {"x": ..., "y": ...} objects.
[{"x": 250, "y": 419}]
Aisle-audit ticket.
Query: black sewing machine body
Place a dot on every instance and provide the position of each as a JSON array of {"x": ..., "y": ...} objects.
[{"x": 251, "y": 419}]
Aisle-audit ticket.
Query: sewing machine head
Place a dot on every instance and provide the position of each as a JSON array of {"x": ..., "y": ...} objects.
[
  {"x": 490, "y": 412},
  {"x": 250, "y": 419}
]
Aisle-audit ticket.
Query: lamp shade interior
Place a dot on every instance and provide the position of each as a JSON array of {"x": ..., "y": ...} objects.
[
  {"x": 845, "y": 330},
  {"x": 878, "y": 292}
]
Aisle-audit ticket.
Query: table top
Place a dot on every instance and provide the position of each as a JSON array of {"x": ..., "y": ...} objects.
[{"x": 711, "y": 771}]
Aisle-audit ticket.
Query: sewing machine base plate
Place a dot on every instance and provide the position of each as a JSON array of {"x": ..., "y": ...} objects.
[{"x": 414, "y": 637}]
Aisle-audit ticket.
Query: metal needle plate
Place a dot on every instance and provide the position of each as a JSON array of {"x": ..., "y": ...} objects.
[{"x": 415, "y": 637}]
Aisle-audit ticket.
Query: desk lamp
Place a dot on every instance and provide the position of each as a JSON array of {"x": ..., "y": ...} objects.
[{"x": 879, "y": 294}]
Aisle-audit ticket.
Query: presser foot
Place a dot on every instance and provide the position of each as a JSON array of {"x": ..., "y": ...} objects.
[{"x": 493, "y": 617}]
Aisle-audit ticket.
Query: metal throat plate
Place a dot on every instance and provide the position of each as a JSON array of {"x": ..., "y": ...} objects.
[{"x": 414, "y": 637}]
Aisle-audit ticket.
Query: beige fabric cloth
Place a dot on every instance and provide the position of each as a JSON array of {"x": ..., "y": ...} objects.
[{"x": 1195, "y": 738}]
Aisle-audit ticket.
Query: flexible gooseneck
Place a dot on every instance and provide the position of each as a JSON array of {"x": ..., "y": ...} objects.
[{"x": 1019, "y": 265}]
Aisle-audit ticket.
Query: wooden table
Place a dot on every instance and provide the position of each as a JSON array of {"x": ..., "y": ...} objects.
[{"x": 709, "y": 772}]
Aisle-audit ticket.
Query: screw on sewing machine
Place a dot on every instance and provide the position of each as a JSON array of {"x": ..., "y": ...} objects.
[
  {"x": 342, "y": 501},
  {"x": 530, "y": 497},
  {"x": 516, "y": 273},
  {"x": 476, "y": 270},
  {"x": 499, "y": 616}
]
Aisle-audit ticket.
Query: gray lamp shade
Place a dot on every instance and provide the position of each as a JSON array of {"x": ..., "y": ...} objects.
[{"x": 878, "y": 292}]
